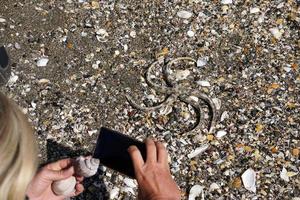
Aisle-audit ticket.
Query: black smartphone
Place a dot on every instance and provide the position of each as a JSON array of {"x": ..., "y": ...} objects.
[{"x": 112, "y": 147}]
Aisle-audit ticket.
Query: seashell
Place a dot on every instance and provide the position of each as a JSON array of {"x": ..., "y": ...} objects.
[
  {"x": 285, "y": 175},
  {"x": 276, "y": 33},
  {"x": 64, "y": 187},
  {"x": 203, "y": 83},
  {"x": 248, "y": 178},
  {"x": 201, "y": 62},
  {"x": 213, "y": 187},
  {"x": 184, "y": 14},
  {"x": 130, "y": 182},
  {"x": 42, "y": 62},
  {"x": 226, "y": 2},
  {"x": 182, "y": 74},
  {"x": 114, "y": 193},
  {"x": 2, "y": 20},
  {"x": 254, "y": 10},
  {"x": 198, "y": 151},
  {"x": 191, "y": 33},
  {"x": 221, "y": 133},
  {"x": 86, "y": 166},
  {"x": 196, "y": 191}
]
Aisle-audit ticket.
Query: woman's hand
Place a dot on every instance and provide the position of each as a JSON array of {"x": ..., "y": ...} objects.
[
  {"x": 40, "y": 186},
  {"x": 153, "y": 176}
]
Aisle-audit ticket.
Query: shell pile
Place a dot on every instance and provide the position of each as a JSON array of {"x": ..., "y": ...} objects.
[{"x": 83, "y": 167}]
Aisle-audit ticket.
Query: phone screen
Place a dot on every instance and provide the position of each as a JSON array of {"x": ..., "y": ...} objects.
[{"x": 111, "y": 149}]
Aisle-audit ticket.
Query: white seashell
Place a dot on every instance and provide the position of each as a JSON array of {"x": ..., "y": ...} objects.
[
  {"x": 128, "y": 190},
  {"x": 193, "y": 98},
  {"x": 203, "y": 83},
  {"x": 283, "y": 175},
  {"x": 217, "y": 103},
  {"x": 184, "y": 14},
  {"x": 130, "y": 182},
  {"x": 114, "y": 193},
  {"x": 132, "y": 34},
  {"x": 224, "y": 116},
  {"x": 86, "y": 166},
  {"x": 42, "y": 62},
  {"x": 287, "y": 69},
  {"x": 249, "y": 179},
  {"x": 201, "y": 62},
  {"x": 226, "y": 2},
  {"x": 191, "y": 33},
  {"x": 2, "y": 20},
  {"x": 182, "y": 74},
  {"x": 101, "y": 35},
  {"x": 221, "y": 133},
  {"x": 198, "y": 151},
  {"x": 64, "y": 187},
  {"x": 43, "y": 81},
  {"x": 102, "y": 32},
  {"x": 213, "y": 187},
  {"x": 13, "y": 79},
  {"x": 196, "y": 191},
  {"x": 254, "y": 10},
  {"x": 166, "y": 110},
  {"x": 276, "y": 33}
]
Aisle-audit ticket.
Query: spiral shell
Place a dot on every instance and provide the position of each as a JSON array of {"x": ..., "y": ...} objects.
[
  {"x": 64, "y": 187},
  {"x": 86, "y": 166}
]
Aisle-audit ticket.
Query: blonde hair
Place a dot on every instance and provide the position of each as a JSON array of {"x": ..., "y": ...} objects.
[{"x": 18, "y": 151}]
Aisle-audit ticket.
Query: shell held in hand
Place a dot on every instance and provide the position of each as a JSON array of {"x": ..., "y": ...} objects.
[
  {"x": 86, "y": 167},
  {"x": 64, "y": 187}
]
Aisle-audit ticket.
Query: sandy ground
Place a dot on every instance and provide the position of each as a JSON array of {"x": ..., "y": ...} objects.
[{"x": 74, "y": 61}]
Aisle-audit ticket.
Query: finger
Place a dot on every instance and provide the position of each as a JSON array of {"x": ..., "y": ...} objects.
[
  {"x": 79, "y": 178},
  {"x": 79, "y": 189},
  {"x": 162, "y": 154},
  {"x": 60, "y": 164},
  {"x": 151, "y": 151},
  {"x": 136, "y": 157},
  {"x": 54, "y": 175}
]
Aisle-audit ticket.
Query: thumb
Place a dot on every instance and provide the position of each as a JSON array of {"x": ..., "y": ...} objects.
[{"x": 60, "y": 174}]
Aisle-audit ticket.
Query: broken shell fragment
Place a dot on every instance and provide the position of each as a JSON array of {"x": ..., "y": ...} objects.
[
  {"x": 198, "y": 151},
  {"x": 184, "y": 14},
  {"x": 248, "y": 179},
  {"x": 64, "y": 187},
  {"x": 86, "y": 166},
  {"x": 221, "y": 133},
  {"x": 42, "y": 62},
  {"x": 196, "y": 191}
]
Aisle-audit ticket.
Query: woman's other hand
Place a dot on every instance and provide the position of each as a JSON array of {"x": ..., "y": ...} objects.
[{"x": 153, "y": 175}]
